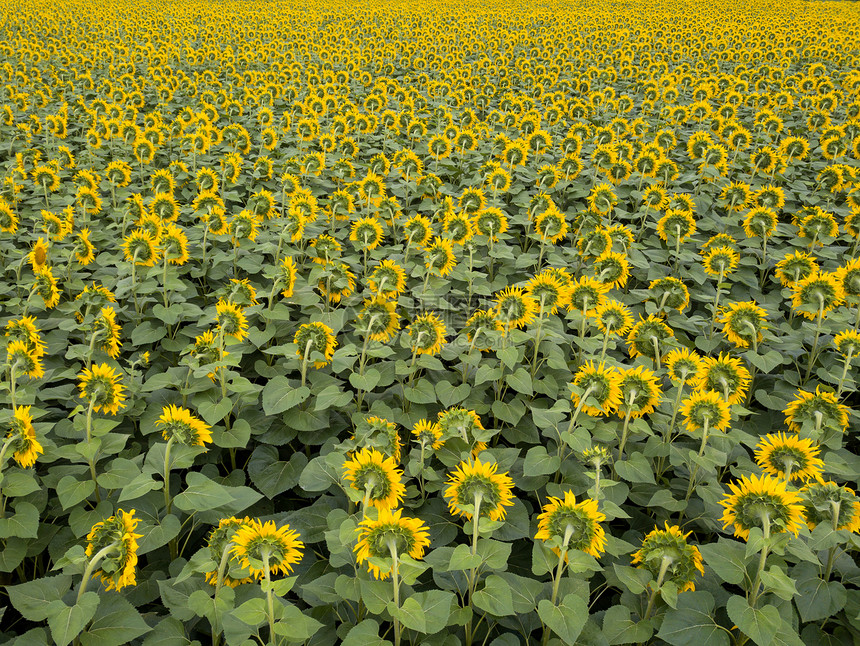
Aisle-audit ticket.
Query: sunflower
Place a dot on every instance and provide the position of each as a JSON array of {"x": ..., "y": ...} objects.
[
  {"x": 427, "y": 334},
  {"x": 646, "y": 338},
  {"x": 548, "y": 290},
  {"x": 613, "y": 317},
  {"x": 480, "y": 328},
  {"x": 600, "y": 385},
  {"x": 817, "y": 294},
  {"x": 38, "y": 256},
  {"x": 288, "y": 276},
  {"x": 788, "y": 457},
  {"x": 221, "y": 540},
  {"x": 551, "y": 225},
  {"x": 101, "y": 386},
  {"x": 831, "y": 504},
  {"x": 573, "y": 525},
  {"x": 676, "y": 224},
  {"x": 705, "y": 407},
  {"x": 325, "y": 248},
  {"x": 795, "y": 267},
  {"x": 762, "y": 502},
  {"x": 376, "y": 476},
  {"x": 720, "y": 261},
  {"x": 666, "y": 550},
  {"x": 683, "y": 365},
  {"x": 640, "y": 392},
  {"x": 594, "y": 243},
  {"x": 458, "y": 226},
  {"x": 669, "y": 292},
  {"x": 760, "y": 222},
  {"x": 230, "y": 319},
  {"x": 476, "y": 488},
  {"x": 602, "y": 199},
  {"x": 817, "y": 225},
  {"x": 24, "y": 329},
  {"x": 367, "y": 232},
  {"x": 379, "y": 318},
  {"x": 53, "y": 226},
  {"x": 737, "y": 194},
  {"x": 586, "y": 294},
  {"x": 104, "y": 325},
  {"x": 84, "y": 250},
  {"x": 338, "y": 282},
  {"x": 114, "y": 539},
  {"x": 313, "y": 338},
  {"x": 25, "y": 359},
  {"x": 388, "y": 279},
  {"x": 174, "y": 245},
  {"x": 462, "y": 423},
  {"x": 848, "y": 277},
  {"x": 612, "y": 269},
  {"x": 472, "y": 200},
  {"x": 743, "y": 323},
  {"x": 179, "y": 424},
  {"x": 725, "y": 375},
  {"x": 265, "y": 548},
  {"x": 847, "y": 343},
  {"x": 514, "y": 308},
  {"x": 439, "y": 256},
  {"x": 821, "y": 408},
  {"x": 719, "y": 240},
  {"x": 490, "y": 222},
  {"x": 8, "y": 219},
  {"x": 428, "y": 433},
  {"x": 140, "y": 248},
  {"x": 378, "y": 432},
  {"x": 22, "y": 438},
  {"x": 389, "y": 536}
]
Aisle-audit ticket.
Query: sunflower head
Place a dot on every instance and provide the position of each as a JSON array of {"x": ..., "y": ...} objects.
[
  {"x": 379, "y": 433},
  {"x": 25, "y": 358},
  {"x": 230, "y": 319},
  {"x": 390, "y": 535},
  {"x": 22, "y": 437},
  {"x": 439, "y": 256},
  {"x": 743, "y": 323},
  {"x": 101, "y": 387},
  {"x": 720, "y": 261},
  {"x": 548, "y": 290},
  {"x": 514, "y": 308},
  {"x": 612, "y": 269},
  {"x": 796, "y": 267},
  {"x": 265, "y": 548},
  {"x": 600, "y": 392},
  {"x": 379, "y": 319},
  {"x": 676, "y": 226},
  {"x": 571, "y": 525},
  {"x": 427, "y": 434},
  {"x": 820, "y": 409},
  {"x": 220, "y": 539},
  {"x": 480, "y": 329},
  {"x": 377, "y": 477},
  {"x": 683, "y": 365},
  {"x": 669, "y": 292},
  {"x": 847, "y": 343},
  {"x": 465, "y": 424},
  {"x": 116, "y": 536},
  {"x": 640, "y": 392},
  {"x": 313, "y": 338},
  {"x": 475, "y": 484},
  {"x": 668, "y": 549},
  {"x": 705, "y": 407},
  {"x": 388, "y": 279},
  {"x": 726, "y": 375},
  {"x": 830, "y": 504},
  {"x": 763, "y": 502},
  {"x": 427, "y": 334},
  {"x": 788, "y": 457},
  {"x": 181, "y": 425}
]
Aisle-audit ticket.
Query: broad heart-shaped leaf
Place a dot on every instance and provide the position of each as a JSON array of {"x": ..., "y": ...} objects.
[
  {"x": 495, "y": 597},
  {"x": 24, "y": 523},
  {"x": 539, "y": 463},
  {"x": 817, "y": 599},
  {"x": 636, "y": 469},
  {"x": 71, "y": 491},
  {"x": 426, "y": 612},
  {"x": 279, "y": 395},
  {"x": 691, "y": 623},
  {"x": 67, "y": 622},
  {"x": 116, "y": 622},
  {"x": 727, "y": 559},
  {"x": 271, "y": 475},
  {"x": 759, "y": 624},
  {"x": 365, "y": 634},
  {"x": 32, "y": 599},
  {"x": 201, "y": 494},
  {"x": 566, "y": 619},
  {"x": 618, "y": 628}
]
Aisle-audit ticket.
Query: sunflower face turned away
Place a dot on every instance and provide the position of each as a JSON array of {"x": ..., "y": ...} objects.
[
  {"x": 264, "y": 548},
  {"x": 572, "y": 525},
  {"x": 375, "y": 476},
  {"x": 313, "y": 338},
  {"x": 477, "y": 481},
  {"x": 179, "y": 424},
  {"x": 117, "y": 538},
  {"x": 670, "y": 546},
  {"x": 102, "y": 388},
  {"x": 220, "y": 539},
  {"x": 390, "y": 534},
  {"x": 763, "y": 502}
]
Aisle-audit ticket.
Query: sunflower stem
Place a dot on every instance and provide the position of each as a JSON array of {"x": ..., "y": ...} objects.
[
  {"x": 219, "y": 582},
  {"x": 831, "y": 555},
  {"x": 269, "y": 598},
  {"x": 656, "y": 344},
  {"x": 844, "y": 373},
  {"x": 89, "y": 428},
  {"x": 305, "y": 360},
  {"x": 537, "y": 336},
  {"x": 814, "y": 351},
  {"x": 754, "y": 595},
  {"x": 164, "y": 280},
  {"x": 476, "y": 519},
  {"x": 664, "y": 566},
  {"x": 168, "y": 503},
  {"x": 716, "y": 302},
  {"x": 557, "y": 575},
  {"x": 692, "y": 484},
  {"x": 626, "y": 427},
  {"x": 88, "y": 572},
  {"x": 395, "y": 580}
]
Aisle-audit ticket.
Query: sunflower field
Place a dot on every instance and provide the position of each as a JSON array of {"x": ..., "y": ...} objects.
[{"x": 429, "y": 323}]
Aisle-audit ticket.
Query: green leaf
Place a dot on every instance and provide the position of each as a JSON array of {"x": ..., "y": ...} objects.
[
  {"x": 422, "y": 393},
  {"x": 521, "y": 381},
  {"x": 494, "y": 553},
  {"x": 116, "y": 622},
  {"x": 23, "y": 524},
  {"x": 818, "y": 599},
  {"x": 214, "y": 411},
  {"x": 634, "y": 579},
  {"x": 253, "y": 612},
  {"x": 365, "y": 634},
  {"x": 71, "y": 491},
  {"x": 271, "y": 475},
  {"x": 450, "y": 395},
  {"x": 691, "y": 624},
  {"x": 33, "y": 598},
  {"x": 280, "y": 396},
  {"x": 636, "y": 469},
  {"x": 510, "y": 412},
  {"x": 759, "y": 624},
  {"x": 140, "y": 486},
  {"x": 332, "y": 396},
  {"x": 295, "y": 625},
  {"x": 426, "y": 612},
  {"x": 495, "y": 597},
  {"x": 201, "y": 494},
  {"x": 539, "y": 463},
  {"x": 375, "y": 594},
  {"x": 727, "y": 558},
  {"x": 618, "y": 628},
  {"x": 367, "y": 382},
  {"x": 508, "y": 356},
  {"x": 777, "y": 582},
  {"x": 235, "y": 438},
  {"x": 67, "y": 622},
  {"x": 157, "y": 535},
  {"x": 565, "y": 620},
  {"x": 462, "y": 559}
]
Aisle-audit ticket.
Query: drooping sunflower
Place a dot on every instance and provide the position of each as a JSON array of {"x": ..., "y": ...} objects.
[
  {"x": 602, "y": 198},
  {"x": 847, "y": 343},
  {"x": 743, "y": 323},
  {"x": 551, "y": 225},
  {"x": 439, "y": 256},
  {"x": 612, "y": 269},
  {"x": 677, "y": 225},
  {"x": 817, "y": 294},
  {"x": 763, "y": 502},
  {"x": 84, "y": 250},
  {"x": 760, "y": 222},
  {"x": 795, "y": 267},
  {"x": 476, "y": 482},
  {"x": 586, "y": 294},
  {"x": 613, "y": 317},
  {"x": 140, "y": 248},
  {"x": 265, "y": 548},
  {"x": 548, "y": 290},
  {"x": 848, "y": 277},
  {"x": 830, "y": 504},
  {"x": 705, "y": 406},
  {"x": 788, "y": 457},
  {"x": 379, "y": 318},
  {"x": 101, "y": 386},
  {"x": 24, "y": 329},
  {"x": 179, "y": 424},
  {"x": 313, "y": 338},
  {"x": 390, "y": 535},
  {"x": 647, "y": 337},
  {"x": 600, "y": 385},
  {"x": 24, "y": 359},
  {"x": 221, "y": 539},
  {"x": 427, "y": 333},
  {"x": 428, "y": 433},
  {"x": 231, "y": 319},
  {"x": 288, "y": 276},
  {"x": 821, "y": 409},
  {"x": 480, "y": 329},
  {"x": 667, "y": 550},
  {"x": 514, "y": 308},
  {"x": 174, "y": 245},
  {"x": 576, "y": 525},
  {"x": 338, "y": 282},
  {"x": 726, "y": 375},
  {"x": 46, "y": 287},
  {"x": 105, "y": 327},
  {"x": 376, "y": 476},
  {"x": 640, "y": 392},
  {"x": 463, "y": 423},
  {"x": 22, "y": 438},
  {"x": 115, "y": 540},
  {"x": 669, "y": 292},
  {"x": 720, "y": 261},
  {"x": 388, "y": 279},
  {"x": 366, "y": 233},
  {"x": 682, "y": 365},
  {"x": 490, "y": 222}
]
